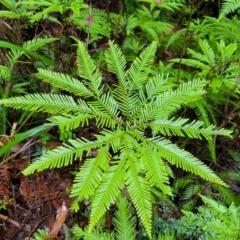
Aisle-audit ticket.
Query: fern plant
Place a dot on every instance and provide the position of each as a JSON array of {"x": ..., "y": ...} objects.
[
  {"x": 219, "y": 66},
  {"x": 135, "y": 118}
]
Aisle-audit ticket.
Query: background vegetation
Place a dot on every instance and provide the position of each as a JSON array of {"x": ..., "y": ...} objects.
[{"x": 123, "y": 117}]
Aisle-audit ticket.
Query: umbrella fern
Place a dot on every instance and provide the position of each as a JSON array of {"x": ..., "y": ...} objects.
[{"x": 137, "y": 161}]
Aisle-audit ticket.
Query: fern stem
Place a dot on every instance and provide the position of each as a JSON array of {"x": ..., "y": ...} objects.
[{"x": 184, "y": 43}]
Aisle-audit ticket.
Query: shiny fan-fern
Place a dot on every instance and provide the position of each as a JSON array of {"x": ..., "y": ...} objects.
[{"x": 128, "y": 157}]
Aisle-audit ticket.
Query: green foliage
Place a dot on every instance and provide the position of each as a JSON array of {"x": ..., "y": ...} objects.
[
  {"x": 212, "y": 221},
  {"x": 10, "y": 81},
  {"x": 187, "y": 188},
  {"x": 217, "y": 64},
  {"x": 147, "y": 21},
  {"x": 13, "y": 56},
  {"x": 123, "y": 221},
  {"x": 126, "y": 155},
  {"x": 228, "y": 6},
  {"x": 37, "y": 131},
  {"x": 37, "y": 10},
  {"x": 101, "y": 24},
  {"x": 39, "y": 235},
  {"x": 223, "y": 221}
]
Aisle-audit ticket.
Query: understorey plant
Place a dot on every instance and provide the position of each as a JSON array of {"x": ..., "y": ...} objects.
[{"x": 135, "y": 117}]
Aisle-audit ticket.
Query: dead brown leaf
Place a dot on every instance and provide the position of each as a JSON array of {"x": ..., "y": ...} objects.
[{"x": 60, "y": 219}]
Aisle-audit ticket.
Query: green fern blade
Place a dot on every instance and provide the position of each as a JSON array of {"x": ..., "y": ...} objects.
[
  {"x": 96, "y": 234},
  {"x": 13, "y": 56},
  {"x": 226, "y": 194},
  {"x": 153, "y": 165},
  {"x": 91, "y": 174},
  {"x": 112, "y": 138},
  {"x": 116, "y": 63},
  {"x": 207, "y": 50},
  {"x": 179, "y": 127},
  {"x": 37, "y": 43},
  {"x": 69, "y": 122},
  {"x": 65, "y": 82},
  {"x": 106, "y": 121},
  {"x": 228, "y": 6},
  {"x": 62, "y": 156},
  {"x": 5, "y": 72},
  {"x": 170, "y": 101},
  {"x": 87, "y": 70},
  {"x": 106, "y": 194},
  {"x": 105, "y": 104},
  {"x": 183, "y": 159},
  {"x": 157, "y": 85},
  {"x": 88, "y": 179},
  {"x": 126, "y": 103},
  {"x": 192, "y": 63},
  {"x": 139, "y": 191},
  {"x": 140, "y": 68},
  {"x": 153, "y": 88},
  {"x": 124, "y": 221},
  {"x": 50, "y": 103},
  {"x": 198, "y": 56}
]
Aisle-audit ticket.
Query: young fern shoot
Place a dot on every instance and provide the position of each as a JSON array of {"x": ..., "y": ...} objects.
[{"x": 137, "y": 161}]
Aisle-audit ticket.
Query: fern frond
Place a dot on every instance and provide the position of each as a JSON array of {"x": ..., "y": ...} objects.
[
  {"x": 106, "y": 194},
  {"x": 101, "y": 26},
  {"x": 226, "y": 194},
  {"x": 116, "y": 63},
  {"x": 5, "y": 72},
  {"x": 65, "y": 82},
  {"x": 228, "y": 6},
  {"x": 105, "y": 104},
  {"x": 96, "y": 234},
  {"x": 186, "y": 161},
  {"x": 140, "y": 68},
  {"x": 192, "y": 63},
  {"x": 149, "y": 31},
  {"x": 139, "y": 191},
  {"x": 123, "y": 220},
  {"x": 179, "y": 127},
  {"x": 50, "y": 103},
  {"x": 87, "y": 70},
  {"x": 13, "y": 57},
  {"x": 37, "y": 43},
  {"x": 138, "y": 188},
  {"x": 153, "y": 88},
  {"x": 31, "y": 45},
  {"x": 9, "y": 14},
  {"x": 157, "y": 85},
  {"x": 170, "y": 101},
  {"x": 156, "y": 172},
  {"x": 63, "y": 155},
  {"x": 91, "y": 174},
  {"x": 191, "y": 190},
  {"x": 198, "y": 56},
  {"x": 69, "y": 122},
  {"x": 88, "y": 179},
  {"x": 207, "y": 50}
]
